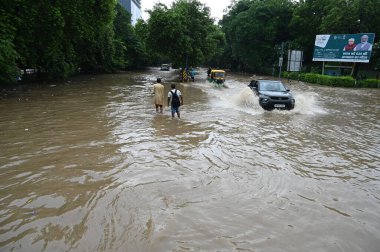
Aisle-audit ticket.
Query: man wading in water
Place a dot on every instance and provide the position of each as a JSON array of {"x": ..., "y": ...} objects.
[
  {"x": 175, "y": 100},
  {"x": 158, "y": 91}
]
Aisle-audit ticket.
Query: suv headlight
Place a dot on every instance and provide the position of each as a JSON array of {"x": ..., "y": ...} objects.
[{"x": 264, "y": 98}]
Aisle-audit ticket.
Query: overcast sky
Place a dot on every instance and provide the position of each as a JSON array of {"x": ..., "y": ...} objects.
[{"x": 216, "y": 6}]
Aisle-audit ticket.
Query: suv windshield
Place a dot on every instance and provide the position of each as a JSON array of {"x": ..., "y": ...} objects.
[{"x": 272, "y": 86}]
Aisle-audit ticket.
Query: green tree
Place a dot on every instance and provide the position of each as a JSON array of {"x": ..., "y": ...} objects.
[
  {"x": 8, "y": 53},
  {"x": 183, "y": 31},
  {"x": 57, "y": 38},
  {"x": 94, "y": 42},
  {"x": 39, "y": 36},
  {"x": 253, "y": 28},
  {"x": 141, "y": 30},
  {"x": 134, "y": 53},
  {"x": 312, "y": 17}
]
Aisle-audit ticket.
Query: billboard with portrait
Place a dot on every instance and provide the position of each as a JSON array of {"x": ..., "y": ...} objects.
[{"x": 343, "y": 47}]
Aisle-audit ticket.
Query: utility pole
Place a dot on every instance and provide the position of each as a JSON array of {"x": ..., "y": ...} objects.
[
  {"x": 281, "y": 59},
  {"x": 187, "y": 60},
  {"x": 355, "y": 69}
]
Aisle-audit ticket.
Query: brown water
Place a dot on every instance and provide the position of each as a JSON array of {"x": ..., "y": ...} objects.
[{"x": 89, "y": 166}]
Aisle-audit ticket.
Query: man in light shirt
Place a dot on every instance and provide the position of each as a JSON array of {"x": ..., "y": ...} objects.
[{"x": 159, "y": 98}]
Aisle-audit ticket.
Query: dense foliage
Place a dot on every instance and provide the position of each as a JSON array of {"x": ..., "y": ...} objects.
[
  {"x": 8, "y": 53},
  {"x": 255, "y": 28},
  {"x": 184, "y": 31},
  {"x": 130, "y": 51},
  {"x": 58, "y": 38}
]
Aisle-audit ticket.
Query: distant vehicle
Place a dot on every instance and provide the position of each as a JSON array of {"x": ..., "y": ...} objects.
[
  {"x": 165, "y": 67},
  {"x": 272, "y": 94},
  {"x": 217, "y": 77}
]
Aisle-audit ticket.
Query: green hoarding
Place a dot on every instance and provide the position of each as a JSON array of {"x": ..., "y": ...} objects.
[{"x": 343, "y": 47}]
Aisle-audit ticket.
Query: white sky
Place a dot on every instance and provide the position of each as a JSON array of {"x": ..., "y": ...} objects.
[{"x": 216, "y": 6}]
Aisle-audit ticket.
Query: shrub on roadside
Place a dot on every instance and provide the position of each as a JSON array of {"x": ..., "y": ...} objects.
[
  {"x": 333, "y": 81},
  {"x": 369, "y": 83}
]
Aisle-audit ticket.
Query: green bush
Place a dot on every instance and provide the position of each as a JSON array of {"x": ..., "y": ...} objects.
[
  {"x": 369, "y": 83},
  {"x": 333, "y": 81}
]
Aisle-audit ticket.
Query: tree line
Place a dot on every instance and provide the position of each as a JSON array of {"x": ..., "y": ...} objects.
[
  {"x": 255, "y": 29},
  {"x": 59, "y": 38}
]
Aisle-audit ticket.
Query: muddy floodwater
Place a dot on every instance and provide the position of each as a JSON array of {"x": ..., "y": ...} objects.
[{"x": 88, "y": 165}]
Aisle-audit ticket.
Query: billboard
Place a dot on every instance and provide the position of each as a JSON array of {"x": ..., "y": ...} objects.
[{"x": 343, "y": 47}]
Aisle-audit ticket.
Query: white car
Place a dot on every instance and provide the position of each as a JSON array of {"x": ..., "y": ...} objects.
[{"x": 165, "y": 67}]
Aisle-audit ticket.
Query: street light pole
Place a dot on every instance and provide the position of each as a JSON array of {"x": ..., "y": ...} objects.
[
  {"x": 281, "y": 59},
  {"x": 187, "y": 60}
]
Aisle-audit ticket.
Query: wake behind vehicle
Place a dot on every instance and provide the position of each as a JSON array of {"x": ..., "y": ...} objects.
[
  {"x": 217, "y": 77},
  {"x": 272, "y": 94}
]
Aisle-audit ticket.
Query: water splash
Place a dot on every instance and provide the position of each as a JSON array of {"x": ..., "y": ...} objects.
[
  {"x": 307, "y": 103},
  {"x": 238, "y": 99},
  {"x": 247, "y": 99}
]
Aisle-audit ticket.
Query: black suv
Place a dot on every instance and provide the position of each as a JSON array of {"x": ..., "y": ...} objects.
[{"x": 272, "y": 94}]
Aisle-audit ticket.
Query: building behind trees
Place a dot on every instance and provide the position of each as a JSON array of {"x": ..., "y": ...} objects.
[{"x": 133, "y": 7}]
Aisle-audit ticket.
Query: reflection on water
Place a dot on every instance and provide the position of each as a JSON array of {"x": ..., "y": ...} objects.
[{"x": 89, "y": 166}]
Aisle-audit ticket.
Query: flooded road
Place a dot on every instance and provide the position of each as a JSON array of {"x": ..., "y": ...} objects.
[{"x": 89, "y": 166}]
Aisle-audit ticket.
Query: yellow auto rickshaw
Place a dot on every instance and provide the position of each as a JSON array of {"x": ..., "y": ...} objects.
[{"x": 217, "y": 77}]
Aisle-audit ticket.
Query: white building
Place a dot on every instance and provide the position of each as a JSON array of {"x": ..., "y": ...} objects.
[{"x": 133, "y": 7}]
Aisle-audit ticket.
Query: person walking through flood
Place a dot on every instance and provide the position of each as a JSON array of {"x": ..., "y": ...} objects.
[
  {"x": 158, "y": 92},
  {"x": 175, "y": 100},
  {"x": 192, "y": 74},
  {"x": 208, "y": 72}
]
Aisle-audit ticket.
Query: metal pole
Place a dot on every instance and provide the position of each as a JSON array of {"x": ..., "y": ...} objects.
[
  {"x": 187, "y": 67},
  {"x": 281, "y": 59},
  {"x": 323, "y": 68},
  {"x": 187, "y": 56}
]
